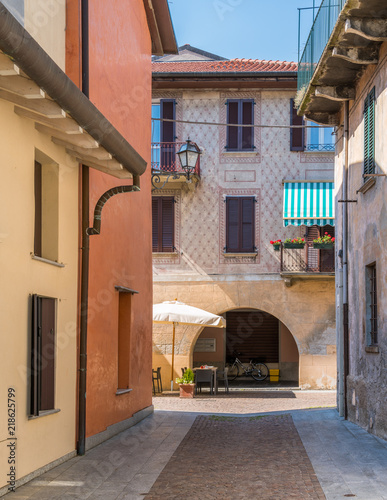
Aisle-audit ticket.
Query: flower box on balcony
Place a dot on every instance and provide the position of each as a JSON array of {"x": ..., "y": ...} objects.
[
  {"x": 294, "y": 245},
  {"x": 276, "y": 248},
  {"x": 323, "y": 246}
]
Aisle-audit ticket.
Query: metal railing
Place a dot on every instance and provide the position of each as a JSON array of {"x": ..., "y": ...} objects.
[
  {"x": 319, "y": 35},
  {"x": 320, "y": 147},
  {"x": 307, "y": 259},
  {"x": 164, "y": 158}
]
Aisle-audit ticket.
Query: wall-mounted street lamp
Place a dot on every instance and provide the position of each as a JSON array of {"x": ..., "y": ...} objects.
[{"x": 188, "y": 155}]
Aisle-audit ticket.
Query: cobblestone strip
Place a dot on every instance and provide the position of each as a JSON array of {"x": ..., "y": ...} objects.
[{"x": 239, "y": 457}]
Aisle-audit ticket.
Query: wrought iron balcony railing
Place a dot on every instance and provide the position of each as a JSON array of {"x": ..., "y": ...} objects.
[
  {"x": 319, "y": 35},
  {"x": 307, "y": 260},
  {"x": 164, "y": 158}
]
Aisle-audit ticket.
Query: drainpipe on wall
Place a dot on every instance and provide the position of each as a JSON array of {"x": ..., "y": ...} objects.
[
  {"x": 343, "y": 339},
  {"x": 85, "y": 247}
]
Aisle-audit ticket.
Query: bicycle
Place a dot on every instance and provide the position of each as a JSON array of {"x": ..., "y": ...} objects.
[{"x": 259, "y": 371}]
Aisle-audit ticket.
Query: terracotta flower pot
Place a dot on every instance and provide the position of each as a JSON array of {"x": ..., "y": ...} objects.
[{"x": 187, "y": 390}]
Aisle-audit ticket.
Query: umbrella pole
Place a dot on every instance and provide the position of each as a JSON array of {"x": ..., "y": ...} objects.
[{"x": 173, "y": 354}]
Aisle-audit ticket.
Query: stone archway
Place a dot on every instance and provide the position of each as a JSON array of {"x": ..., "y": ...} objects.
[{"x": 307, "y": 310}]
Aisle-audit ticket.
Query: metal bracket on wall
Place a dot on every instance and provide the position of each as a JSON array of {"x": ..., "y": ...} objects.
[{"x": 346, "y": 201}]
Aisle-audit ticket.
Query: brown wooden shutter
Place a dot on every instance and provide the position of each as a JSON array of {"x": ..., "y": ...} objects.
[
  {"x": 34, "y": 359},
  {"x": 247, "y": 224},
  {"x": 240, "y": 223},
  {"x": 327, "y": 257},
  {"x": 47, "y": 357},
  {"x": 255, "y": 334},
  {"x": 313, "y": 232},
  {"x": 168, "y": 224},
  {"x": 296, "y": 134},
  {"x": 38, "y": 210},
  {"x": 163, "y": 224},
  {"x": 247, "y": 119},
  {"x": 155, "y": 224},
  {"x": 167, "y": 110},
  {"x": 232, "y": 225},
  {"x": 232, "y": 117}
]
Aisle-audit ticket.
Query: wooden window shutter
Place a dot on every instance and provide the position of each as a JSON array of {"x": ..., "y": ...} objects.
[
  {"x": 369, "y": 134},
  {"x": 240, "y": 222},
  {"x": 38, "y": 210},
  {"x": 297, "y": 135},
  {"x": 167, "y": 110},
  {"x": 247, "y": 224},
  {"x": 168, "y": 224},
  {"x": 47, "y": 366},
  {"x": 34, "y": 359},
  {"x": 247, "y": 119},
  {"x": 155, "y": 224},
  {"x": 232, "y": 117},
  {"x": 163, "y": 224}
]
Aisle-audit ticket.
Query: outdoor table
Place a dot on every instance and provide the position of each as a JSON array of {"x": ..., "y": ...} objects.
[{"x": 214, "y": 369}]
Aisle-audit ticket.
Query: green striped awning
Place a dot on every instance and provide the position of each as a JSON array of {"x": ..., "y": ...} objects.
[{"x": 308, "y": 203}]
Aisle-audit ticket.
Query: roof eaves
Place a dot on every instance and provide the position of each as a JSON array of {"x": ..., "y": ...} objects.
[{"x": 161, "y": 27}]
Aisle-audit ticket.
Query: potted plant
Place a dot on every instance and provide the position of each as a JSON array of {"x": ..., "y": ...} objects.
[
  {"x": 294, "y": 243},
  {"x": 186, "y": 384},
  {"x": 276, "y": 244},
  {"x": 324, "y": 242}
]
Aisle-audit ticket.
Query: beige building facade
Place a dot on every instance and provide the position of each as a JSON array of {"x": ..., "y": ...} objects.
[
  {"x": 355, "y": 103},
  {"x": 281, "y": 305}
]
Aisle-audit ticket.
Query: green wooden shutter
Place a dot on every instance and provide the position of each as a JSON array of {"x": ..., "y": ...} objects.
[{"x": 369, "y": 134}]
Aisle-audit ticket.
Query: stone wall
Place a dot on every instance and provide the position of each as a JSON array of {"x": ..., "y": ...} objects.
[{"x": 367, "y": 236}]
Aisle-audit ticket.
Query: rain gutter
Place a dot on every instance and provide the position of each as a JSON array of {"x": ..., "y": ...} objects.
[{"x": 17, "y": 43}]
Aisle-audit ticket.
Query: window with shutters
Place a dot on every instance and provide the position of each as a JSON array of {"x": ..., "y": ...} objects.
[
  {"x": 240, "y": 112},
  {"x": 369, "y": 134},
  {"x": 313, "y": 138},
  {"x": 319, "y": 260},
  {"x": 371, "y": 306},
  {"x": 46, "y": 236},
  {"x": 164, "y": 135},
  {"x": 240, "y": 225},
  {"x": 43, "y": 350},
  {"x": 163, "y": 224}
]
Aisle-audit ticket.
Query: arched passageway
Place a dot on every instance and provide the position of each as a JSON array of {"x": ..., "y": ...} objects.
[{"x": 256, "y": 335}]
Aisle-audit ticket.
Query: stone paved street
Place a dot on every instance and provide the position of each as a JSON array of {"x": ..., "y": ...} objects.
[{"x": 347, "y": 461}]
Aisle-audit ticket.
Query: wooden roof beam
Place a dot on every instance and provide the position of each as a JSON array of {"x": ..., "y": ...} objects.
[
  {"x": 21, "y": 86},
  {"x": 64, "y": 124},
  {"x": 45, "y": 107},
  {"x": 82, "y": 140},
  {"x": 98, "y": 153}
]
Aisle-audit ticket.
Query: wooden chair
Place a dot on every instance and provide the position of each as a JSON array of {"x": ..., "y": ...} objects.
[{"x": 156, "y": 377}]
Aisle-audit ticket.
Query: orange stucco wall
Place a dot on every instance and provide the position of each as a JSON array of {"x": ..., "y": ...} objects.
[{"x": 120, "y": 86}]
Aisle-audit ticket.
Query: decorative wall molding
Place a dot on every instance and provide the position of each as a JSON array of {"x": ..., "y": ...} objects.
[
  {"x": 171, "y": 258},
  {"x": 324, "y": 158},
  {"x": 252, "y": 157},
  {"x": 222, "y": 225}
]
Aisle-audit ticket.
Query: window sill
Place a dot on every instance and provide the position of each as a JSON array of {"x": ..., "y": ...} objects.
[
  {"x": 164, "y": 254},
  {"x": 123, "y": 391},
  {"x": 47, "y": 261},
  {"x": 241, "y": 154},
  {"x": 371, "y": 181},
  {"x": 372, "y": 349},
  {"x": 44, "y": 413},
  {"x": 227, "y": 254}
]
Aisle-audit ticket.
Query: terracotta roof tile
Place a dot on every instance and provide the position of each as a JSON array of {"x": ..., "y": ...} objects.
[{"x": 233, "y": 65}]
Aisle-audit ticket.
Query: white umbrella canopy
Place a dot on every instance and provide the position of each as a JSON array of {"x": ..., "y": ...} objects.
[{"x": 178, "y": 313}]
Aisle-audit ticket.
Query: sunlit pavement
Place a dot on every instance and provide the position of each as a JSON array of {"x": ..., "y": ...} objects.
[{"x": 347, "y": 460}]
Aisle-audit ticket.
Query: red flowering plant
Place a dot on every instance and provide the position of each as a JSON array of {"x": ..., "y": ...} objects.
[
  {"x": 325, "y": 240},
  {"x": 276, "y": 244},
  {"x": 297, "y": 240}
]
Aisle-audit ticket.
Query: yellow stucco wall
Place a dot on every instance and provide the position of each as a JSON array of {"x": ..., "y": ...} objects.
[
  {"x": 312, "y": 323},
  {"x": 45, "y": 20},
  {"x": 44, "y": 439}
]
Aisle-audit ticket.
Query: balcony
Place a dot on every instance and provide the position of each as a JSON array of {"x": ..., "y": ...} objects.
[
  {"x": 344, "y": 39},
  {"x": 166, "y": 168},
  {"x": 306, "y": 262}
]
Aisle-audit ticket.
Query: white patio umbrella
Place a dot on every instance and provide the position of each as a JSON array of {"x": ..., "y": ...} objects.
[{"x": 179, "y": 313}]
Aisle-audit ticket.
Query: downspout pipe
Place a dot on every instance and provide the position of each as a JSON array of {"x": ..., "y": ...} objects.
[
  {"x": 345, "y": 262},
  {"x": 17, "y": 43},
  {"x": 342, "y": 318},
  {"x": 96, "y": 229},
  {"x": 82, "y": 376}
]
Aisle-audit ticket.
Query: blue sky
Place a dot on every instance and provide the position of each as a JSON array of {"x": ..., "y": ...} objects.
[{"x": 252, "y": 29}]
